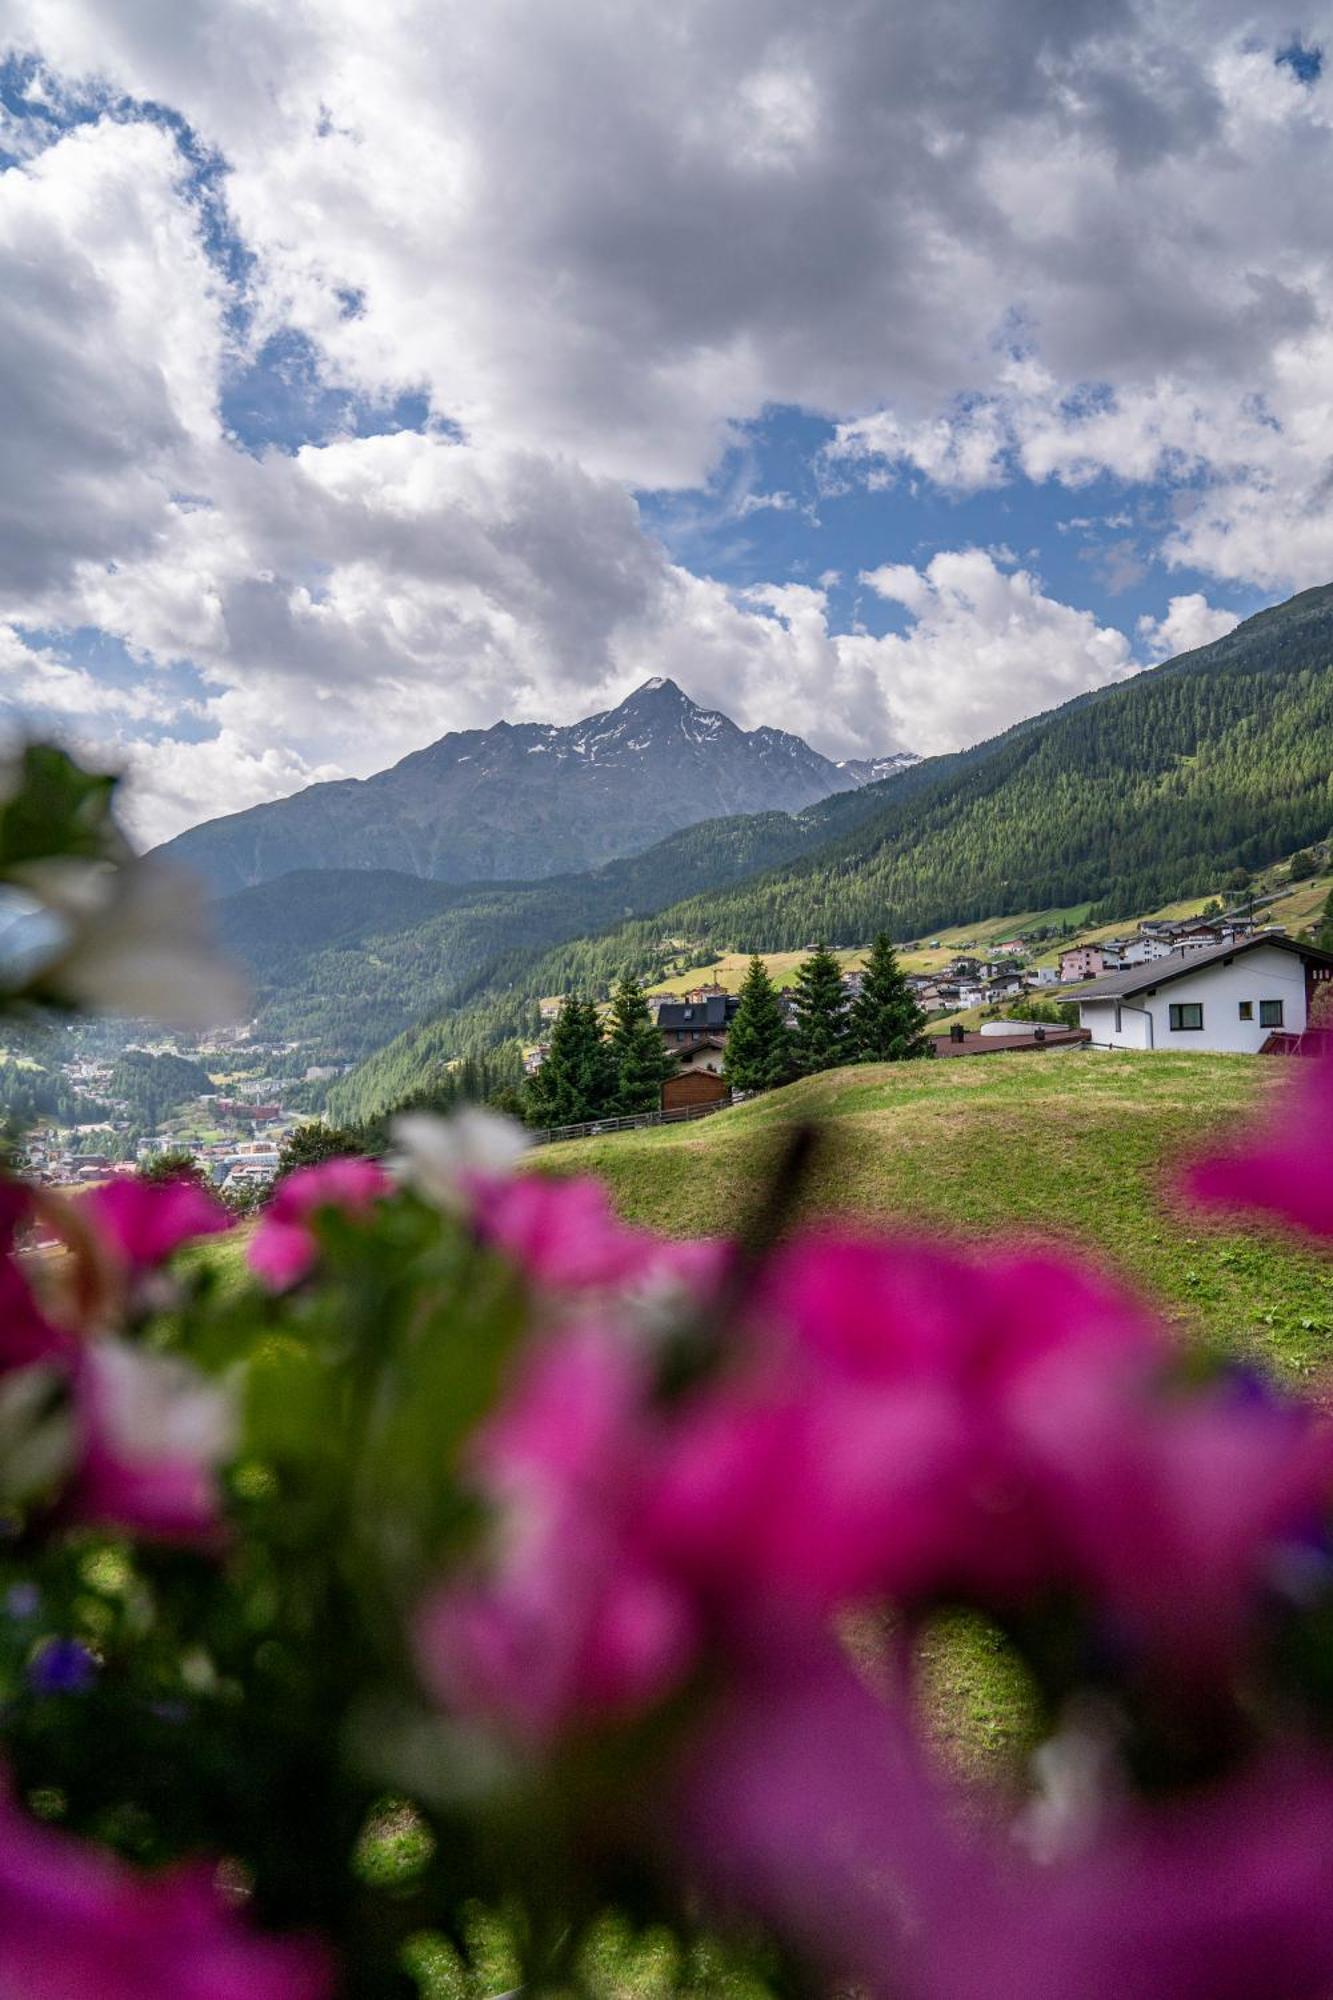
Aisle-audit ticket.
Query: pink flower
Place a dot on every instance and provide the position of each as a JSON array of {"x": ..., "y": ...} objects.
[
  {"x": 75, "y": 1922},
  {"x": 144, "y": 1221},
  {"x": 1180, "y": 1514},
  {"x": 569, "y": 1633},
  {"x": 153, "y": 1432},
  {"x": 284, "y": 1247},
  {"x": 573, "y": 1624},
  {"x": 873, "y": 1442},
  {"x": 1285, "y": 1167},
  {"x": 562, "y": 1233},
  {"x": 26, "y": 1335},
  {"x": 1218, "y": 1897},
  {"x": 805, "y": 1802}
]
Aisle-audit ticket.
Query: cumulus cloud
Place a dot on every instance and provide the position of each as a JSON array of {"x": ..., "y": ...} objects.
[
  {"x": 109, "y": 344},
  {"x": 612, "y": 235},
  {"x": 1189, "y": 621},
  {"x": 986, "y": 647}
]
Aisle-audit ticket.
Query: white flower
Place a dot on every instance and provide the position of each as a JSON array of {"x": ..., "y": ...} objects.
[
  {"x": 134, "y": 940},
  {"x": 436, "y": 1155},
  {"x": 156, "y": 1406}
]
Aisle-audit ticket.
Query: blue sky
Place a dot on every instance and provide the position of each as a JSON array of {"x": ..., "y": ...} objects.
[
  {"x": 882, "y": 384},
  {"x": 776, "y": 508}
]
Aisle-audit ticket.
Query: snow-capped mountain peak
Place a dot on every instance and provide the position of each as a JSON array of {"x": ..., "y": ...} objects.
[{"x": 524, "y": 800}]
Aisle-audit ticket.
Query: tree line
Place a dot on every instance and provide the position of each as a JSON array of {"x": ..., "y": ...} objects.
[{"x": 593, "y": 1070}]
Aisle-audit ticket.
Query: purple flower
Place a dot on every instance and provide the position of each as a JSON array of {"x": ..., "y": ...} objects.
[{"x": 62, "y": 1666}]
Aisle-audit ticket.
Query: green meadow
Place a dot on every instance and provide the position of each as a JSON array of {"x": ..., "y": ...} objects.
[{"x": 1075, "y": 1147}]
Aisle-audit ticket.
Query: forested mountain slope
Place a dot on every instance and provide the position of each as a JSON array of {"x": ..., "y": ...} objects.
[
  {"x": 342, "y": 959},
  {"x": 1138, "y": 793}
]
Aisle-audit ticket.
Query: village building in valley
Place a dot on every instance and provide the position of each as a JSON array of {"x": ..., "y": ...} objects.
[{"x": 1242, "y": 997}]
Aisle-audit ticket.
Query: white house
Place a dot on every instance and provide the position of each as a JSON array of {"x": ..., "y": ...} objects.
[{"x": 1229, "y": 997}]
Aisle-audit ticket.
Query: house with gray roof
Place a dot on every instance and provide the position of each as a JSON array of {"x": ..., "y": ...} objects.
[{"x": 1229, "y": 997}]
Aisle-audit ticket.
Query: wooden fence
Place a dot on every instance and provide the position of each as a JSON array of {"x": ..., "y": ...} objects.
[{"x": 595, "y": 1127}]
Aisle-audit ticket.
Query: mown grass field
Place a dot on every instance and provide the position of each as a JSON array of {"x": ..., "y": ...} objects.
[{"x": 1071, "y": 1146}]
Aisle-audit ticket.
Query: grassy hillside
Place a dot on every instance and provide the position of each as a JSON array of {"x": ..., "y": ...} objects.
[{"x": 1071, "y": 1146}]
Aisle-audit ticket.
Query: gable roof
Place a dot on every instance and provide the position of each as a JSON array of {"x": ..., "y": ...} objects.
[
  {"x": 698, "y": 1016},
  {"x": 1179, "y": 964}
]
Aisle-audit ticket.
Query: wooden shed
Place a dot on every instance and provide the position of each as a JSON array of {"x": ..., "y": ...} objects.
[{"x": 694, "y": 1086}]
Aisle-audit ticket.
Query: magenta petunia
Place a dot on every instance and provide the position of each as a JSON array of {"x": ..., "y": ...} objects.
[
  {"x": 875, "y": 1443},
  {"x": 26, "y": 1334},
  {"x": 573, "y": 1622},
  {"x": 805, "y": 1801},
  {"x": 145, "y": 1221},
  {"x": 562, "y": 1233},
  {"x": 1284, "y": 1167},
  {"x": 283, "y": 1248},
  {"x": 75, "y": 1922},
  {"x": 1180, "y": 1515}
]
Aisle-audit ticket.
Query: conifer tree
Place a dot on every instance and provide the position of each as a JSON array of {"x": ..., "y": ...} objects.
[
  {"x": 642, "y": 1060},
  {"x": 577, "y": 1080},
  {"x": 758, "y": 1053},
  {"x": 822, "y": 1036},
  {"x": 886, "y": 1024}
]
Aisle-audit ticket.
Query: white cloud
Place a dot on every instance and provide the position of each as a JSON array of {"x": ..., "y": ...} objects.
[
  {"x": 986, "y": 647},
  {"x": 1190, "y": 621}
]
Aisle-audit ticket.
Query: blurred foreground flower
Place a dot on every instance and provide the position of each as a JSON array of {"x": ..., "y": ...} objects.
[
  {"x": 135, "y": 1438},
  {"x": 1284, "y": 1167},
  {"x": 444, "y": 1158},
  {"x": 85, "y": 924},
  {"x": 132, "y": 938},
  {"x": 143, "y": 1222},
  {"x": 75, "y": 1923},
  {"x": 284, "y": 1247}
]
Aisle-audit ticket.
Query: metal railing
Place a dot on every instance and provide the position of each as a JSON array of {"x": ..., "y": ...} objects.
[{"x": 596, "y": 1127}]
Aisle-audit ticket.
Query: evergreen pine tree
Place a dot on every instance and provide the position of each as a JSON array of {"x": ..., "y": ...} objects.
[
  {"x": 758, "y": 1053},
  {"x": 886, "y": 1023},
  {"x": 577, "y": 1080},
  {"x": 642, "y": 1060},
  {"x": 822, "y": 1037}
]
